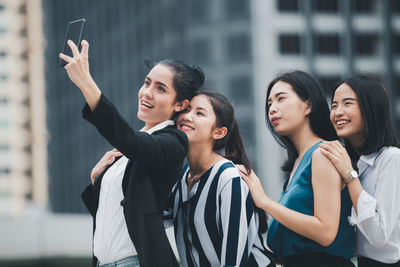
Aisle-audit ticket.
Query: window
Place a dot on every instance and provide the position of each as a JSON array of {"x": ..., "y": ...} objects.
[
  {"x": 364, "y": 6},
  {"x": 4, "y": 147},
  {"x": 329, "y": 83},
  {"x": 24, "y": 55},
  {"x": 327, "y": 44},
  {"x": 22, "y": 9},
  {"x": 4, "y": 123},
  {"x": 26, "y": 125},
  {"x": 288, "y": 5},
  {"x": 4, "y": 170},
  {"x": 200, "y": 50},
  {"x": 237, "y": 8},
  {"x": 3, "y": 101},
  {"x": 395, "y": 6},
  {"x": 23, "y": 32},
  {"x": 396, "y": 46},
  {"x": 240, "y": 89},
  {"x": 238, "y": 47},
  {"x": 326, "y": 5},
  {"x": 28, "y": 172},
  {"x": 198, "y": 10},
  {"x": 289, "y": 43},
  {"x": 27, "y": 149},
  {"x": 25, "y": 78},
  {"x": 366, "y": 43}
]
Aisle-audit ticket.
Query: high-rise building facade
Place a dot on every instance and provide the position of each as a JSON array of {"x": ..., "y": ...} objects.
[
  {"x": 218, "y": 37},
  {"x": 23, "y": 151},
  {"x": 330, "y": 39}
]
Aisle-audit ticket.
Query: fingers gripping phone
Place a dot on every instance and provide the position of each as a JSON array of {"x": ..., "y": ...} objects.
[{"x": 74, "y": 33}]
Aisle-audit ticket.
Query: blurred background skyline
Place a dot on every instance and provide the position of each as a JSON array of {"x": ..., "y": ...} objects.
[{"x": 47, "y": 150}]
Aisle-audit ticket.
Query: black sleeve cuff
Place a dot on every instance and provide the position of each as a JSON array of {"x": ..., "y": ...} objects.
[{"x": 102, "y": 106}]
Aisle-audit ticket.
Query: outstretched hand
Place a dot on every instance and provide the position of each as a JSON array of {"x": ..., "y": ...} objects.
[
  {"x": 337, "y": 154},
  {"x": 255, "y": 186},
  {"x": 78, "y": 65},
  {"x": 78, "y": 71},
  {"x": 107, "y": 159}
]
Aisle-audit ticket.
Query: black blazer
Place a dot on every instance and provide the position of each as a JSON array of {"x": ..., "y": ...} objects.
[{"x": 155, "y": 162}]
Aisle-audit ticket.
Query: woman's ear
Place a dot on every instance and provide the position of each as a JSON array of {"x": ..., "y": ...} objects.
[
  {"x": 308, "y": 107},
  {"x": 219, "y": 133},
  {"x": 181, "y": 105}
]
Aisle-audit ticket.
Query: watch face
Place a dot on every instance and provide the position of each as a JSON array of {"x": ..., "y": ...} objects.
[{"x": 354, "y": 174}]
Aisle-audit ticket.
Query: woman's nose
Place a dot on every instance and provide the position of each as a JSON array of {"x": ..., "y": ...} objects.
[
  {"x": 188, "y": 116},
  {"x": 338, "y": 111},
  {"x": 272, "y": 109},
  {"x": 147, "y": 91}
]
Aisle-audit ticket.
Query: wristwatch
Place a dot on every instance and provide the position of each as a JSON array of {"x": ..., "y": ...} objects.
[{"x": 352, "y": 175}]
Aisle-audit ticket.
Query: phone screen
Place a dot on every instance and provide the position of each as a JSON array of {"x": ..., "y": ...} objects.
[{"x": 74, "y": 33}]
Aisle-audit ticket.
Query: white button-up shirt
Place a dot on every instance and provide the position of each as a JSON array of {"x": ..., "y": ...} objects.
[
  {"x": 111, "y": 241},
  {"x": 378, "y": 207}
]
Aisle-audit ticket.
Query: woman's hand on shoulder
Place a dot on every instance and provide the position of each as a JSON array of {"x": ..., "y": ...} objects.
[
  {"x": 255, "y": 186},
  {"x": 107, "y": 159},
  {"x": 327, "y": 185},
  {"x": 337, "y": 154}
]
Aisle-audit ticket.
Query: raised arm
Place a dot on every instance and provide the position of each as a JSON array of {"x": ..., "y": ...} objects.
[
  {"x": 162, "y": 148},
  {"x": 323, "y": 226}
]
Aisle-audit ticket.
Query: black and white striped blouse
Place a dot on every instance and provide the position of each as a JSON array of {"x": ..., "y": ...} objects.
[{"x": 216, "y": 224}]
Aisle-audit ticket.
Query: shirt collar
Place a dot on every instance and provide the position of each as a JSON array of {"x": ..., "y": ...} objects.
[
  {"x": 159, "y": 126},
  {"x": 370, "y": 158}
]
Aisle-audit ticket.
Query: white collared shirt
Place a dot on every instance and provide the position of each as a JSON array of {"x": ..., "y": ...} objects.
[
  {"x": 378, "y": 206},
  {"x": 111, "y": 241}
]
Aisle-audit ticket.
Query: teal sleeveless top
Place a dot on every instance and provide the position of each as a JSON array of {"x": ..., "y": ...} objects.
[{"x": 299, "y": 197}]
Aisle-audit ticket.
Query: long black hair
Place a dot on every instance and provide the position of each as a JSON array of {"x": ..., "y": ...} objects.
[
  {"x": 307, "y": 89},
  {"x": 374, "y": 104},
  {"x": 232, "y": 142}
]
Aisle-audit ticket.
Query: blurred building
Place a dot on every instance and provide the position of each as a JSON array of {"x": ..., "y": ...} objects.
[
  {"x": 218, "y": 37},
  {"x": 23, "y": 151},
  {"x": 27, "y": 230},
  {"x": 47, "y": 150},
  {"x": 330, "y": 39}
]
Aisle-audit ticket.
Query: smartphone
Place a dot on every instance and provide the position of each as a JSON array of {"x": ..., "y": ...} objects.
[{"x": 74, "y": 33}]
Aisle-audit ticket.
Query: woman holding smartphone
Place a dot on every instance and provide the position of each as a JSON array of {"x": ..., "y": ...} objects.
[
  {"x": 131, "y": 184},
  {"x": 214, "y": 218},
  {"x": 309, "y": 226},
  {"x": 361, "y": 116}
]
